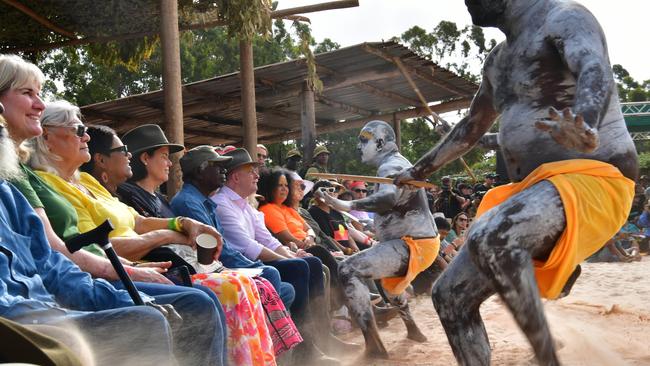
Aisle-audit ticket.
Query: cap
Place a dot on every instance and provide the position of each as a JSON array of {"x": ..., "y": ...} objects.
[
  {"x": 196, "y": 156},
  {"x": 357, "y": 184}
]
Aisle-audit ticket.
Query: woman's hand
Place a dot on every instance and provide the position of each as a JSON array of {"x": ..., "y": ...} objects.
[{"x": 302, "y": 254}]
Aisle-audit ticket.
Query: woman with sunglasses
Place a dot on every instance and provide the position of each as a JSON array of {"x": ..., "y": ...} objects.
[
  {"x": 459, "y": 225},
  {"x": 20, "y": 85},
  {"x": 150, "y": 166}
]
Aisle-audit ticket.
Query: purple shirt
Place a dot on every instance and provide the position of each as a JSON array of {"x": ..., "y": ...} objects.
[{"x": 243, "y": 226}]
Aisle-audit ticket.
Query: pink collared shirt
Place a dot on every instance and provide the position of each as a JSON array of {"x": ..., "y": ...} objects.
[{"x": 243, "y": 226}]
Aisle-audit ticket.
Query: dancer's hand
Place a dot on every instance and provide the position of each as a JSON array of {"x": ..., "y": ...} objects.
[{"x": 569, "y": 130}]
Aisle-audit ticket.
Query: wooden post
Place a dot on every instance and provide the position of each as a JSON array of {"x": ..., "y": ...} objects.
[
  {"x": 307, "y": 123},
  {"x": 172, "y": 86},
  {"x": 397, "y": 127},
  {"x": 249, "y": 118}
]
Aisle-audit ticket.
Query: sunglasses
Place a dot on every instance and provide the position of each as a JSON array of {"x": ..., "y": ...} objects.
[
  {"x": 80, "y": 130},
  {"x": 462, "y": 219},
  {"x": 329, "y": 189},
  {"x": 360, "y": 190},
  {"x": 124, "y": 150}
]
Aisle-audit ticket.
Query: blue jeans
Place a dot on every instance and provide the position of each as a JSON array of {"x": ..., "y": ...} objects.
[
  {"x": 306, "y": 277},
  {"x": 202, "y": 337}
]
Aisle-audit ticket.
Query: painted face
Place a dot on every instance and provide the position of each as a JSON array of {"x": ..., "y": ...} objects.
[
  {"x": 117, "y": 162},
  {"x": 281, "y": 192},
  {"x": 68, "y": 142},
  {"x": 158, "y": 164},
  {"x": 367, "y": 146},
  {"x": 486, "y": 13},
  {"x": 23, "y": 109}
]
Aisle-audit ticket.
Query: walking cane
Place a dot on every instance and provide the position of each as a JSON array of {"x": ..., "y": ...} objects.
[{"x": 99, "y": 236}]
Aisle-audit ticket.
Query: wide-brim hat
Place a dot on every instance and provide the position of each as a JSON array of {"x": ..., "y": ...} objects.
[
  {"x": 240, "y": 157},
  {"x": 293, "y": 152},
  {"x": 196, "y": 156},
  {"x": 308, "y": 184},
  {"x": 320, "y": 150},
  {"x": 147, "y": 137}
]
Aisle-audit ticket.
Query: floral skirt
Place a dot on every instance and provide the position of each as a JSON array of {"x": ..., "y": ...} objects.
[{"x": 249, "y": 341}]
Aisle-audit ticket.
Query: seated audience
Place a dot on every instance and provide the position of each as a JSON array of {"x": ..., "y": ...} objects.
[
  {"x": 331, "y": 221},
  {"x": 41, "y": 286},
  {"x": 57, "y": 215},
  {"x": 244, "y": 229},
  {"x": 151, "y": 169}
]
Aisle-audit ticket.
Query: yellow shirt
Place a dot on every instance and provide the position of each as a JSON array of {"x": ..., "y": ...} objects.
[{"x": 93, "y": 211}]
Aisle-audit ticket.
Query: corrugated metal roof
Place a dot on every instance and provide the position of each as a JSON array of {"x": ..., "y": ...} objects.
[{"x": 359, "y": 81}]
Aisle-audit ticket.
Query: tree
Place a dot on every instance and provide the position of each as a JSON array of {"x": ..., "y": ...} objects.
[{"x": 629, "y": 90}]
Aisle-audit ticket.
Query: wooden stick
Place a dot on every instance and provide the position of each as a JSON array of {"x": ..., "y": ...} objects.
[
  {"x": 37, "y": 17},
  {"x": 435, "y": 116},
  {"x": 365, "y": 178}
]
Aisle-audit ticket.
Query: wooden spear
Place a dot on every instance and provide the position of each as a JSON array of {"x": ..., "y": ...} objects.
[
  {"x": 365, "y": 178},
  {"x": 435, "y": 116}
]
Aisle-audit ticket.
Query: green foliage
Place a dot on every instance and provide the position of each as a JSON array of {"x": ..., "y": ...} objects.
[
  {"x": 450, "y": 47},
  {"x": 246, "y": 19},
  {"x": 644, "y": 163},
  {"x": 630, "y": 90}
]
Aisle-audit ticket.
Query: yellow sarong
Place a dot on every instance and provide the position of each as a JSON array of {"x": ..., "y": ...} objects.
[
  {"x": 597, "y": 199},
  {"x": 422, "y": 254}
]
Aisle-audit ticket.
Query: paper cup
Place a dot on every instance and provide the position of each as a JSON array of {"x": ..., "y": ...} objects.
[{"x": 206, "y": 247}]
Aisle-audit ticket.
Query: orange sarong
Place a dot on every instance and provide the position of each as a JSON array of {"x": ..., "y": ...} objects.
[
  {"x": 423, "y": 253},
  {"x": 597, "y": 199}
]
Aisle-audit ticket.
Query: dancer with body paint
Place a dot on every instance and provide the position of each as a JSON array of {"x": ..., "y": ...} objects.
[
  {"x": 407, "y": 235},
  {"x": 573, "y": 170}
]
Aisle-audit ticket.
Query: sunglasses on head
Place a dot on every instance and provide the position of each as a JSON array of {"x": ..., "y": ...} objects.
[
  {"x": 361, "y": 190},
  {"x": 124, "y": 150}
]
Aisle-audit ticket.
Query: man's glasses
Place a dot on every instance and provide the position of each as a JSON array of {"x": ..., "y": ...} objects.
[
  {"x": 124, "y": 150},
  {"x": 360, "y": 190}
]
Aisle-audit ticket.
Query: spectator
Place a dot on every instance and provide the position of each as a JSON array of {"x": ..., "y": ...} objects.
[
  {"x": 237, "y": 292},
  {"x": 262, "y": 155},
  {"x": 59, "y": 219},
  {"x": 43, "y": 287},
  {"x": 292, "y": 160},
  {"x": 459, "y": 224},
  {"x": 244, "y": 229},
  {"x": 488, "y": 183},
  {"x": 321, "y": 157},
  {"x": 449, "y": 202},
  {"x": 331, "y": 222}
]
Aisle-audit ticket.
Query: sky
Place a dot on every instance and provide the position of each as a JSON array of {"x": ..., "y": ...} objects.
[{"x": 625, "y": 23}]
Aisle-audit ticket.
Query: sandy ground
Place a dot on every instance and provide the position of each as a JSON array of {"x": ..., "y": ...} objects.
[{"x": 604, "y": 321}]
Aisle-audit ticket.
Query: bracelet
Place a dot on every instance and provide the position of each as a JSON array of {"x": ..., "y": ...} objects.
[{"x": 175, "y": 224}]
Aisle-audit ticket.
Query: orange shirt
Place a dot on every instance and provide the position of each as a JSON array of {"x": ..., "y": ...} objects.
[{"x": 280, "y": 217}]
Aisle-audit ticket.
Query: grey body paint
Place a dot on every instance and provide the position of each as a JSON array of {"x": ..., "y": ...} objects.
[
  {"x": 399, "y": 212},
  {"x": 554, "y": 55}
]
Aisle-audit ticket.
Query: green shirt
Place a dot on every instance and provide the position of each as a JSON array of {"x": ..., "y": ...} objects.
[{"x": 60, "y": 212}]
